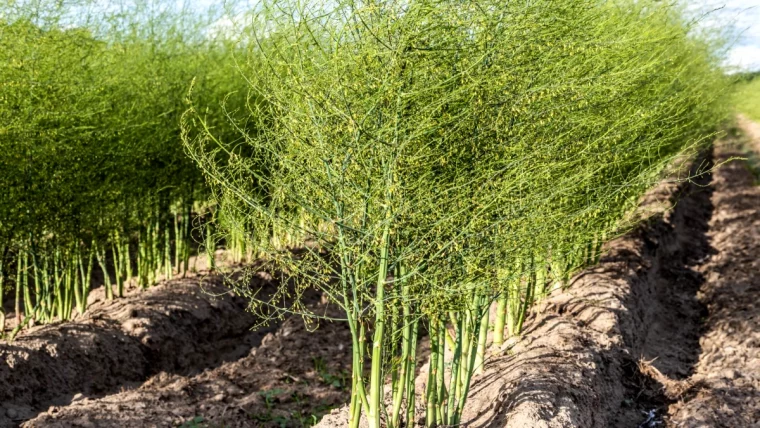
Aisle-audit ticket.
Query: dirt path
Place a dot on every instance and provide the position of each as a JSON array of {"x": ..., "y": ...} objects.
[{"x": 726, "y": 382}]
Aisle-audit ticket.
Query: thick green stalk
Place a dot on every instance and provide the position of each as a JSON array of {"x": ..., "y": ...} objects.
[
  {"x": 482, "y": 337},
  {"x": 77, "y": 290},
  {"x": 142, "y": 262},
  {"x": 61, "y": 298},
  {"x": 410, "y": 374},
  {"x": 106, "y": 277},
  {"x": 40, "y": 314},
  {"x": 186, "y": 239},
  {"x": 2, "y": 292},
  {"x": 441, "y": 394},
  {"x": 524, "y": 310},
  {"x": 168, "y": 271},
  {"x": 86, "y": 279},
  {"x": 541, "y": 281},
  {"x": 177, "y": 240},
  {"x": 359, "y": 397},
  {"x": 392, "y": 351},
  {"x": 156, "y": 251},
  {"x": 210, "y": 248},
  {"x": 514, "y": 300},
  {"x": 126, "y": 260},
  {"x": 454, "y": 388},
  {"x": 355, "y": 408},
  {"x": 29, "y": 308},
  {"x": 18, "y": 290},
  {"x": 529, "y": 293},
  {"x": 46, "y": 309},
  {"x": 406, "y": 348},
  {"x": 501, "y": 317},
  {"x": 117, "y": 265},
  {"x": 467, "y": 327},
  {"x": 430, "y": 396},
  {"x": 67, "y": 285},
  {"x": 469, "y": 368},
  {"x": 376, "y": 377}
]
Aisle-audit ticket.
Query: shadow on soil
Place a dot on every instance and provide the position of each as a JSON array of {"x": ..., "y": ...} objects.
[{"x": 664, "y": 348}]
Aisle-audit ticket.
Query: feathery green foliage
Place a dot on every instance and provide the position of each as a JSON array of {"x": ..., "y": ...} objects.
[
  {"x": 429, "y": 158},
  {"x": 92, "y": 164},
  {"x": 436, "y": 156}
]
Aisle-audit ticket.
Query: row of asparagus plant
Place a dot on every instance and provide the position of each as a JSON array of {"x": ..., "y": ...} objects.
[
  {"x": 50, "y": 279},
  {"x": 436, "y": 159},
  {"x": 97, "y": 189}
]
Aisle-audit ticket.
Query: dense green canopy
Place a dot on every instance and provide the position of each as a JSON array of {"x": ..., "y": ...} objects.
[
  {"x": 446, "y": 154},
  {"x": 91, "y": 159}
]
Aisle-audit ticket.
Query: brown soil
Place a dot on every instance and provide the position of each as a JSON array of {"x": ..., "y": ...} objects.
[
  {"x": 662, "y": 332},
  {"x": 726, "y": 380},
  {"x": 290, "y": 379},
  {"x": 181, "y": 326}
]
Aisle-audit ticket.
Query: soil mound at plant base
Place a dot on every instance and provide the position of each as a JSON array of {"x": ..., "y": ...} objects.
[
  {"x": 176, "y": 327},
  {"x": 53, "y": 363},
  {"x": 291, "y": 379}
]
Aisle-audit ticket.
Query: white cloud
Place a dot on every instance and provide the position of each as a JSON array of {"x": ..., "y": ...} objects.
[
  {"x": 741, "y": 19},
  {"x": 745, "y": 57},
  {"x": 229, "y": 26}
]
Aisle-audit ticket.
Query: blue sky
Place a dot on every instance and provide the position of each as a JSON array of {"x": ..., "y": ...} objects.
[{"x": 742, "y": 17}]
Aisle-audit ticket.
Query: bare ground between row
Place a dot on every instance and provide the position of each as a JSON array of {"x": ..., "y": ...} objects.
[{"x": 182, "y": 326}]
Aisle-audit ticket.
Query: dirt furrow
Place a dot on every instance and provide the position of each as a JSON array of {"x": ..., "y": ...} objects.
[
  {"x": 291, "y": 379},
  {"x": 177, "y": 327},
  {"x": 725, "y": 388}
]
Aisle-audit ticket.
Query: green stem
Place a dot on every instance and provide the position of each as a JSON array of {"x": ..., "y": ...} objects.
[
  {"x": 2, "y": 292},
  {"x": 77, "y": 290},
  {"x": 501, "y": 317},
  {"x": 106, "y": 277},
  {"x": 430, "y": 399},
  {"x": 410, "y": 375},
  {"x": 18, "y": 289},
  {"x": 454, "y": 388},
  {"x": 29, "y": 308},
  {"x": 441, "y": 395},
  {"x": 376, "y": 377},
  {"x": 482, "y": 337},
  {"x": 406, "y": 347},
  {"x": 117, "y": 262}
]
